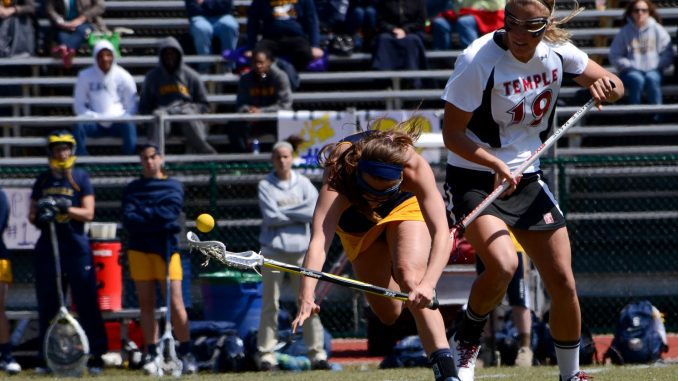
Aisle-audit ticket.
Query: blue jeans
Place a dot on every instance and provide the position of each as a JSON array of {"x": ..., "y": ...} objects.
[
  {"x": 364, "y": 18},
  {"x": 75, "y": 38},
  {"x": 203, "y": 29},
  {"x": 126, "y": 131},
  {"x": 442, "y": 30},
  {"x": 636, "y": 82}
]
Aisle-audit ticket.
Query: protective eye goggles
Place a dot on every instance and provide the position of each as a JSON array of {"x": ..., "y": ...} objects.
[
  {"x": 536, "y": 26},
  {"x": 376, "y": 192}
]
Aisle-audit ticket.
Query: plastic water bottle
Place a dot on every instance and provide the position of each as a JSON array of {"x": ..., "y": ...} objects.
[
  {"x": 303, "y": 363},
  {"x": 287, "y": 362},
  {"x": 255, "y": 146}
]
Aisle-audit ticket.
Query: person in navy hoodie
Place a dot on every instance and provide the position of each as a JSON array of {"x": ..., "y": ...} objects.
[
  {"x": 7, "y": 361},
  {"x": 151, "y": 209}
]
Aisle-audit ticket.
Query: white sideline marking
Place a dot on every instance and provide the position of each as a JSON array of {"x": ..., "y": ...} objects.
[{"x": 587, "y": 370}]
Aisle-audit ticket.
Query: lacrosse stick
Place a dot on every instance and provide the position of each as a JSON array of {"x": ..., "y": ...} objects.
[
  {"x": 66, "y": 345},
  {"x": 458, "y": 229},
  {"x": 169, "y": 362},
  {"x": 249, "y": 260}
]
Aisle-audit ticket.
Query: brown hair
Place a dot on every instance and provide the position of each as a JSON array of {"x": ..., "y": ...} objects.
[
  {"x": 651, "y": 7},
  {"x": 381, "y": 145}
]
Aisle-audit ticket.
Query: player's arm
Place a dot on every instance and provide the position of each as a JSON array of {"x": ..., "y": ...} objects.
[
  {"x": 420, "y": 180},
  {"x": 325, "y": 220},
  {"x": 603, "y": 85},
  {"x": 455, "y": 122},
  {"x": 85, "y": 212}
]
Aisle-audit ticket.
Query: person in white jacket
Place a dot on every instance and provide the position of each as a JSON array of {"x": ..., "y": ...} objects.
[
  {"x": 105, "y": 90},
  {"x": 286, "y": 200}
]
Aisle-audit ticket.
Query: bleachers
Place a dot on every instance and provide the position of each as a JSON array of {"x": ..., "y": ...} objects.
[{"x": 47, "y": 89}]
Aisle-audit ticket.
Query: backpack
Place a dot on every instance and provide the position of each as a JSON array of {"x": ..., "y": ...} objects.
[
  {"x": 640, "y": 335},
  {"x": 407, "y": 353},
  {"x": 506, "y": 341},
  {"x": 217, "y": 346}
]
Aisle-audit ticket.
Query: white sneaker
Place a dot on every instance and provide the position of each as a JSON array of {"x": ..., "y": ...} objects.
[
  {"x": 580, "y": 376},
  {"x": 10, "y": 366},
  {"x": 152, "y": 366},
  {"x": 465, "y": 355},
  {"x": 524, "y": 357}
]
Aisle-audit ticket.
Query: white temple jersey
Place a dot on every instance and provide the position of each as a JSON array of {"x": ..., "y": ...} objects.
[{"x": 512, "y": 102}]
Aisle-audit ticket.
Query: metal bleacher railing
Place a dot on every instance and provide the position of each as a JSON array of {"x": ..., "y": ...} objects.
[{"x": 13, "y": 135}]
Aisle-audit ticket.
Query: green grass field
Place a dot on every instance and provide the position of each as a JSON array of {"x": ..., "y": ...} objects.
[{"x": 658, "y": 372}]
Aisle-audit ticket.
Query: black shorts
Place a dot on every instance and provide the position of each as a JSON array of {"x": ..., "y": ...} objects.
[{"x": 530, "y": 207}]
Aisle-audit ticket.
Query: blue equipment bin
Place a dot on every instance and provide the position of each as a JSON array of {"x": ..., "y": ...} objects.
[{"x": 233, "y": 296}]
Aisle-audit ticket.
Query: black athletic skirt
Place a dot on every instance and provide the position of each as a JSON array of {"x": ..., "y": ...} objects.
[{"x": 530, "y": 207}]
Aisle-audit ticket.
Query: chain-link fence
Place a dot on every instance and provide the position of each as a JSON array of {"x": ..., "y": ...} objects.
[{"x": 622, "y": 216}]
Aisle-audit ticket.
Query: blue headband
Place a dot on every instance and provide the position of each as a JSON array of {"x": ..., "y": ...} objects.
[{"x": 382, "y": 170}]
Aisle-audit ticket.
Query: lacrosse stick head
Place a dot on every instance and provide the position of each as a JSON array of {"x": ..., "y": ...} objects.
[
  {"x": 246, "y": 260},
  {"x": 167, "y": 358},
  {"x": 66, "y": 346}
]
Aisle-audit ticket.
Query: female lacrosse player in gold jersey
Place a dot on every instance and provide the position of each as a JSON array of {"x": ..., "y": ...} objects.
[{"x": 381, "y": 198}]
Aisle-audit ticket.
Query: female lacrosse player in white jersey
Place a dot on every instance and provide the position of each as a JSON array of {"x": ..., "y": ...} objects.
[{"x": 499, "y": 107}]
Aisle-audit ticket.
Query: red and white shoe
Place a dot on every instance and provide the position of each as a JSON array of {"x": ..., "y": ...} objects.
[
  {"x": 465, "y": 355},
  {"x": 580, "y": 376}
]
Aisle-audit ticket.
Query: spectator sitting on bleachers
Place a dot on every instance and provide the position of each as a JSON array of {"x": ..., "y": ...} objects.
[
  {"x": 17, "y": 34},
  {"x": 174, "y": 88},
  {"x": 400, "y": 42},
  {"x": 208, "y": 18},
  {"x": 265, "y": 88},
  {"x": 289, "y": 29},
  {"x": 72, "y": 21},
  {"x": 105, "y": 90},
  {"x": 473, "y": 19},
  {"x": 641, "y": 51}
]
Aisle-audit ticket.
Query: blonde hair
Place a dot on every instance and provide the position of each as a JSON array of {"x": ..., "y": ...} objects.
[
  {"x": 381, "y": 145},
  {"x": 554, "y": 34}
]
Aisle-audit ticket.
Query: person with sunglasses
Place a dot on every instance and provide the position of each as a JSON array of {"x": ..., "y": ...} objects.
[
  {"x": 499, "y": 107},
  {"x": 381, "y": 198},
  {"x": 641, "y": 51}
]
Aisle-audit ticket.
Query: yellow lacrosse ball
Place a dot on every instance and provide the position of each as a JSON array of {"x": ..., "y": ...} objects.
[{"x": 204, "y": 223}]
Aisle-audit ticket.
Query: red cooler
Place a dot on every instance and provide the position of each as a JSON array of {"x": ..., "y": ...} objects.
[{"x": 108, "y": 273}]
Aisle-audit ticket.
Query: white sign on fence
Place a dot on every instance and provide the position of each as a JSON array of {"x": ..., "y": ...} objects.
[
  {"x": 319, "y": 128},
  {"x": 20, "y": 234}
]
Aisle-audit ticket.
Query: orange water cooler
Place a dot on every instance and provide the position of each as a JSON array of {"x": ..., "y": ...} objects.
[{"x": 108, "y": 273}]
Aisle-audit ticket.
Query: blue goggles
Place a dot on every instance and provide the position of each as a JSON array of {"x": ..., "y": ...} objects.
[{"x": 362, "y": 184}]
